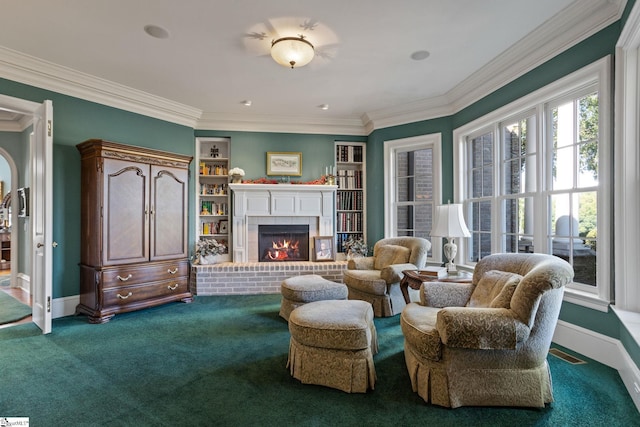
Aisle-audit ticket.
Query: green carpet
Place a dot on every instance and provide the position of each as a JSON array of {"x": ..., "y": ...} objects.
[
  {"x": 12, "y": 310},
  {"x": 221, "y": 361}
]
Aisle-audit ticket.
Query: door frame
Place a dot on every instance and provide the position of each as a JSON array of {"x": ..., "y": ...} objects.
[{"x": 28, "y": 110}]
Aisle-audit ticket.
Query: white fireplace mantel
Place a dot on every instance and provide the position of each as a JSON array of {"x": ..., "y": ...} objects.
[{"x": 279, "y": 200}]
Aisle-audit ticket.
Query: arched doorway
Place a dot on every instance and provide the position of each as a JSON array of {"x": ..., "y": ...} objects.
[{"x": 11, "y": 282}]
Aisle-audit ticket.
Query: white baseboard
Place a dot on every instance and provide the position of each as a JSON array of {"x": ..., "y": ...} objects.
[
  {"x": 23, "y": 282},
  {"x": 60, "y": 307},
  {"x": 65, "y": 306},
  {"x": 603, "y": 349}
]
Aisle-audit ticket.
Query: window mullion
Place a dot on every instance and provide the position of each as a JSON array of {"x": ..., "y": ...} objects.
[{"x": 497, "y": 226}]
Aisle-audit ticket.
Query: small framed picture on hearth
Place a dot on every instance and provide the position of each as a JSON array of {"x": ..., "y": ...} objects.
[{"x": 324, "y": 249}]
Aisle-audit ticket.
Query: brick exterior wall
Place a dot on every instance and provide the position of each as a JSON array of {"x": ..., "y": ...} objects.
[{"x": 229, "y": 278}]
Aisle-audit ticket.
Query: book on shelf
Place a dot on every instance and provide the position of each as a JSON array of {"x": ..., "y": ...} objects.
[{"x": 433, "y": 271}]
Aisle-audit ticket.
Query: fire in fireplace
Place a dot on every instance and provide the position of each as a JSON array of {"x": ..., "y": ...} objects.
[{"x": 278, "y": 243}]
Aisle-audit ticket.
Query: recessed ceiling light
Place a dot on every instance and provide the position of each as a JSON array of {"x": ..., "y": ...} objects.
[
  {"x": 419, "y": 55},
  {"x": 246, "y": 103},
  {"x": 156, "y": 31},
  {"x": 323, "y": 106}
]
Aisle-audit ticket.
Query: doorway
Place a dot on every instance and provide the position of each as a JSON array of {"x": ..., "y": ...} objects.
[
  {"x": 35, "y": 124},
  {"x": 10, "y": 277}
]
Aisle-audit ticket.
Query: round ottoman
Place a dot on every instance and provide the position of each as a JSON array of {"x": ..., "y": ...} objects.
[
  {"x": 332, "y": 344},
  {"x": 299, "y": 290}
]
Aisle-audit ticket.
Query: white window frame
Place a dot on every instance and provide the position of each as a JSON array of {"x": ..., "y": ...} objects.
[
  {"x": 597, "y": 297},
  {"x": 391, "y": 148},
  {"x": 627, "y": 189}
]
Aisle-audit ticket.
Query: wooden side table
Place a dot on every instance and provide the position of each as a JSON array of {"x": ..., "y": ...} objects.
[{"x": 413, "y": 279}]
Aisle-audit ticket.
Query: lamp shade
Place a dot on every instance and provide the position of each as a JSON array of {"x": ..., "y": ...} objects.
[
  {"x": 449, "y": 222},
  {"x": 292, "y": 51}
]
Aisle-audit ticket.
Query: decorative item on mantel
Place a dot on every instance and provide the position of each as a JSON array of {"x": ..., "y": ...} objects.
[
  {"x": 356, "y": 248},
  {"x": 330, "y": 174},
  {"x": 210, "y": 251},
  {"x": 236, "y": 175}
]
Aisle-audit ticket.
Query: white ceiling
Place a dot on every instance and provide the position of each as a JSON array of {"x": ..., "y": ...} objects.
[{"x": 217, "y": 54}]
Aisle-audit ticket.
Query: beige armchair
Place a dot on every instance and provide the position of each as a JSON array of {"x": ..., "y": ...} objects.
[
  {"x": 376, "y": 279},
  {"x": 486, "y": 343}
]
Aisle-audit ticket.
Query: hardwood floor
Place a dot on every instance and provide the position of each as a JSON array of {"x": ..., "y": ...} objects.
[{"x": 18, "y": 294}]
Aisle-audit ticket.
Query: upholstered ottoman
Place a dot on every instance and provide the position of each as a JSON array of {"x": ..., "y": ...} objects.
[
  {"x": 332, "y": 344},
  {"x": 299, "y": 290}
]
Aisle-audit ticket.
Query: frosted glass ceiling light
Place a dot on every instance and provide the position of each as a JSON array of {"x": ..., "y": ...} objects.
[{"x": 292, "y": 51}]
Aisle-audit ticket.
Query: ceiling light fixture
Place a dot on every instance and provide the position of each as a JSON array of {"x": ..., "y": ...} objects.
[{"x": 292, "y": 51}]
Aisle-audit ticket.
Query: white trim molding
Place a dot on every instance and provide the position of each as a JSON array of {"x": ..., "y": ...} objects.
[
  {"x": 603, "y": 349},
  {"x": 627, "y": 164},
  {"x": 291, "y": 124}
]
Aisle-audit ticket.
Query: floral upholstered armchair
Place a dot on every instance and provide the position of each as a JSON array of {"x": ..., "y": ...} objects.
[
  {"x": 376, "y": 279},
  {"x": 486, "y": 343}
]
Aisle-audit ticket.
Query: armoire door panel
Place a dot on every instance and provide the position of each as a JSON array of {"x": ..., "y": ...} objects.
[
  {"x": 125, "y": 214},
  {"x": 169, "y": 198}
]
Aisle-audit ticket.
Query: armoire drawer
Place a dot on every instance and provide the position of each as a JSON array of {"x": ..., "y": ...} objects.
[
  {"x": 127, "y": 275},
  {"x": 126, "y": 295}
]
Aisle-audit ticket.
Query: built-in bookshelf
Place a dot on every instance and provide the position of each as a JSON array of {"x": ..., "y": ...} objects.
[
  {"x": 350, "y": 196},
  {"x": 212, "y": 187}
]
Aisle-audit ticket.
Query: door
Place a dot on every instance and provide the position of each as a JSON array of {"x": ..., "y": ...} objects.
[{"x": 41, "y": 215}]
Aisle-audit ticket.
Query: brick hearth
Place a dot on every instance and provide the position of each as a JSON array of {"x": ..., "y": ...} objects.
[{"x": 233, "y": 278}]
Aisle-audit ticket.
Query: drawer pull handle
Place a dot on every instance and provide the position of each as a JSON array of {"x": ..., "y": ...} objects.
[
  {"x": 125, "y": 296},
  {"x": 172, "y": 271},
  {"x": 124, "y": 279},
  {"x": 172, "y": 288}
]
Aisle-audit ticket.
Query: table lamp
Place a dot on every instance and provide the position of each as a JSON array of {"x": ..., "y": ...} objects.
[{"x": 449, "y": 223}]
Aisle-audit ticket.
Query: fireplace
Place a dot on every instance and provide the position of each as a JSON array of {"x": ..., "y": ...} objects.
[
  {"x": 279, "y": 204},
  {"x": 280, "y": 243}
]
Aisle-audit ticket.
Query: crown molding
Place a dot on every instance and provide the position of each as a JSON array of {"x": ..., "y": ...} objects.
[
  {"x": 409, "y": 112},
  {"x": 283, "y": 124},
  {"x": 575, "y": 23},
  {"x": 36, "y": 72},
  {"x": 578, "y": 21}
]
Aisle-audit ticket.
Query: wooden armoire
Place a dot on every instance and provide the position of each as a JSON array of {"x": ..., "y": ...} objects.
[{"x": 134, "y": 239}]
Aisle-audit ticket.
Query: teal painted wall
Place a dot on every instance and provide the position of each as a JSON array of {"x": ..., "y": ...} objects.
[
  {"x": 249, "y": 150},
  {"x": 76, "y": 120}
]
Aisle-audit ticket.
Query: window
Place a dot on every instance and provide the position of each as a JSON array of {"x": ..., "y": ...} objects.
[
  {"x": 412, "y": 175},
  {"x": 534, "y": 178}
]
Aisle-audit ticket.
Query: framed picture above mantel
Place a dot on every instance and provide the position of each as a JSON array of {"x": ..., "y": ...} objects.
[{"x": 284, "y": 163}]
